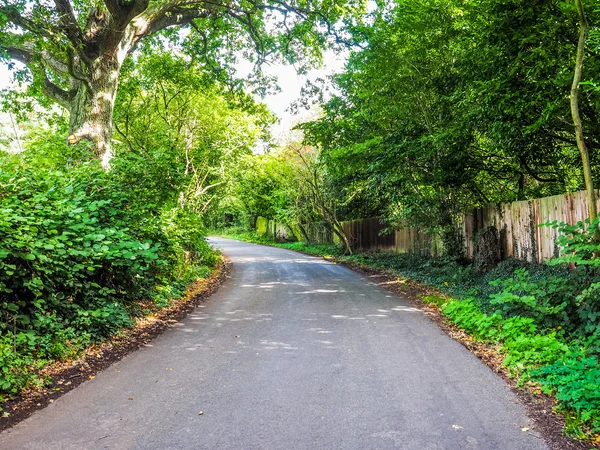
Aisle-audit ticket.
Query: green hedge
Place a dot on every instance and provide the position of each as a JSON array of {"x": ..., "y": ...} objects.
[{"x": 77, "y": 254}]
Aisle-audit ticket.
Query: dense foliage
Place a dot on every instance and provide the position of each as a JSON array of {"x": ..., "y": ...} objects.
[
  {"x": 85, "y": 250},
  {"x": 455, "y": 104},
  {"x": 290, "y": 185},
  {"x": 78, "y": 251}
]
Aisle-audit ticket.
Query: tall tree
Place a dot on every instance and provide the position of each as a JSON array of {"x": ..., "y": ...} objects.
[
  {"x": 454, "y": 104},
  {"x": 581, "y": 145},
  {"x": 75, "y": 50}
]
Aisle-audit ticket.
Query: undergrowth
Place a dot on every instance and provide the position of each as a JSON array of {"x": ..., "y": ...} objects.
[{"x": 81, "y": 256}]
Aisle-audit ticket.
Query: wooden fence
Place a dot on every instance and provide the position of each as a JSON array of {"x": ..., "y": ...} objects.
[{"x": 517, "y": 224}]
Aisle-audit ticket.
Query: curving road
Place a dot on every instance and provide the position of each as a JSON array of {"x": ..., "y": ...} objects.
[{"x": 291, "y": 353}]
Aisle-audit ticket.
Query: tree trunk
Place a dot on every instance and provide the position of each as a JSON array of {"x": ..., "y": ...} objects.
[
  {"x": 339, "y": 231},
  {"x": 585, "y": 157},
  {"x": 91, "y": 108},
  {"x": 303, "y": 232}
]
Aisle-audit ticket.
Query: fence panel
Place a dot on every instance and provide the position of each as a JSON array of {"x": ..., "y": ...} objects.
[{"x": 516, "y": 222}]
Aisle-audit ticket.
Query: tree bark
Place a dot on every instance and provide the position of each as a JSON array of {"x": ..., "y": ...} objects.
[
  {"x": 585, "y": 157},
  {"x": 338, "y": 229},
  {"x": 91, "y": 109}
]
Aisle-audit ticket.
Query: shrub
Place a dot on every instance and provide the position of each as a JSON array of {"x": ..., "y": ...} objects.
[
  {"x": 76, "y": 255},
  {"x": 550, "y": 301},
  {"x": 575, "y": 380},
  {"x": 569, "y": 372}
]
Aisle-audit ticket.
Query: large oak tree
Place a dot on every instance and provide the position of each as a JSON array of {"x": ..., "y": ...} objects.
[{"x": 75, "y": 50}]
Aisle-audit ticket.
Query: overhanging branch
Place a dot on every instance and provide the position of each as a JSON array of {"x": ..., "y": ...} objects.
[
  {"x": 69, "y": 23},
  {"x": 56, "y": 93},
  {"x": 176, "y": 16},
  {"x": 49, "y": 88},
  {"x": 17, "y": 53},
  {"x": 16, "y": 18}
]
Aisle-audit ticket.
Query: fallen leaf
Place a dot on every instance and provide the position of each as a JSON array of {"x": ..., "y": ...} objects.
[
  {"x": 130, "y": 398},
  {"x": 92, "y": 377}
]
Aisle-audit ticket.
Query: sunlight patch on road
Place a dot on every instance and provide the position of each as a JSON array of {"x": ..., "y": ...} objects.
[
  {"x": 406, "y": 309},
  {"x": 322, "y": 291},
  {"x": 273, "y": 345}
]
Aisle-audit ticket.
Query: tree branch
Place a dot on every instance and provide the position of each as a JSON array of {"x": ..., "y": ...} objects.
[
  {"x": 54, "y": 63},
  {"x": 176, "y": 15},
  {"x": 49, "y": 88},
  {"x": 535, "y": 176},
  {"x": 14, "y": 16},
  {"x": 17, "y": 53},
  {"x": 56, "y": 93},
  {"x": 73, "y": 70},
  {"x": 69, "y": 23},
  {"x": 123, "y": 11}
]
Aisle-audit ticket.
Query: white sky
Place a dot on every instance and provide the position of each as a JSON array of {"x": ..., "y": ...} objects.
[
  {"x": 289, "y": 82},
  {"x": 4, "y": 76}
]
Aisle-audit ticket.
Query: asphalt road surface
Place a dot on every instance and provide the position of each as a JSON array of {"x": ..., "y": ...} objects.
[{"x": 291, "y": 353}]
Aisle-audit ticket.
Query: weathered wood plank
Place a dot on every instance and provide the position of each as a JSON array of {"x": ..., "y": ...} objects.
[{"x": 517, "y": 224}]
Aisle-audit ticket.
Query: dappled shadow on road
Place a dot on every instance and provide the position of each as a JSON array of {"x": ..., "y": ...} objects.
[
  {"x": 317, "y": 303},
  {"x": 200, "y": 324}
]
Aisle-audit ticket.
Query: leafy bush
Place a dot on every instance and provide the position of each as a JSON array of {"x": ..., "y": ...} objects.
[
  {"x": 76, "y": 256},
  {"x": 560, "y": 298},
  {"x": 575, "y": 380},
  {"x": 68, "y": 244},
  {"x": 550, "y": 301},
  {"x": 579, "y": 243},
  {"x": 568, "y": 371}
]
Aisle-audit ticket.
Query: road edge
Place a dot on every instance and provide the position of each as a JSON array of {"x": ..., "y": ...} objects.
[{"x": 66, "y": 376}]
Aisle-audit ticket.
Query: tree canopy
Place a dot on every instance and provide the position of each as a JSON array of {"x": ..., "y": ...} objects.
[
  {"x": 456, "y": 104},
  {"x": 74, "y": 51}
]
